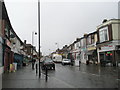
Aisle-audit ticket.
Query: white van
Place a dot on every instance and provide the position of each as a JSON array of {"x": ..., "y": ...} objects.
[{"x": 57, "y": 58}]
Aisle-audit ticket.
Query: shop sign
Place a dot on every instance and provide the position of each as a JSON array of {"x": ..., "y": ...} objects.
[{"x": 108, "y": 47}]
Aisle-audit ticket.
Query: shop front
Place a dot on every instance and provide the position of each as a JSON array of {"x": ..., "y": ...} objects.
[
  {"x": 18, "y": 58},
  {"x": 92, "y": 55},
  {"x": 108, "y": 54},
  {"x": 83, "y": 55},
  {"x": 8, "y": 56},
  {"x": 76, "y": 54}
]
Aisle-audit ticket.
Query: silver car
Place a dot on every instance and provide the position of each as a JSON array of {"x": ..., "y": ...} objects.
[{"x": 66, "y": 61}]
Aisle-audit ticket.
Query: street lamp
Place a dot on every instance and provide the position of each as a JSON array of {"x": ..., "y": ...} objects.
[{"x": 33, "y": 33}]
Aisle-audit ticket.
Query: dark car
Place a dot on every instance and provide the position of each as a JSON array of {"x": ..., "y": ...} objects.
[{"x": 48, "y": 63}]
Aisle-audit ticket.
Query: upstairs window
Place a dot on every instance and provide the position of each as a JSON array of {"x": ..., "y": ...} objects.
[
  {"x": 103, "y": 34},
  {"x": 92, "y": 39}
]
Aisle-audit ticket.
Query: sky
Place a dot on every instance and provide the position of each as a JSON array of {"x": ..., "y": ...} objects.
[{"x": 61, "y": 21}]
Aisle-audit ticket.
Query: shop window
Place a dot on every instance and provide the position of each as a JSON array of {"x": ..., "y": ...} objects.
[
  {"x": 109, "y": 55},
  {"x": 102, "y": 56}
]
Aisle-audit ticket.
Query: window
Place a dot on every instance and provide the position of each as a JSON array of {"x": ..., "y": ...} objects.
[
  {"x": 77, "y": 45},
  {"x": 92, "y": 39},
  {"x": 82, "y": 43},
  {"x": 103, "y": 34}
]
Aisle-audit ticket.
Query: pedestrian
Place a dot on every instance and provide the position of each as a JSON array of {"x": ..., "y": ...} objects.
[{"x": 33, "y": 63}]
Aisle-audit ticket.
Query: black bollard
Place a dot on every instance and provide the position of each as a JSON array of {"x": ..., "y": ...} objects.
[
  {"x": 46, "y": 72},
  {"x": 36, "y": 69}
]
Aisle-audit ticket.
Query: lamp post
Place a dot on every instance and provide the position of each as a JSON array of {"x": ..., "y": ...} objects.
[
  {"x": 33, "y": 33},
  {"x": 39, "y": 35}
]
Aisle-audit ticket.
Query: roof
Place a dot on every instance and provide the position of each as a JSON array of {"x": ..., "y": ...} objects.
[
  {"x": 92, "y": 33},
  {"x": 6, "y": 17},
  {"x": 108, "y": 22}
]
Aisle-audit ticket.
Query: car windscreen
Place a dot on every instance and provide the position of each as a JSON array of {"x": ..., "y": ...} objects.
[
  {"x": 66, "y": 60},
  {"x": 48, "y": 60}
]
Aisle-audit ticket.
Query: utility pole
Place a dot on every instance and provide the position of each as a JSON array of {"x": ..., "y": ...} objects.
[
  {"x": 39, "y": 34},
  {"x": 32, "y": 51},
  {"x": 33, "y": 33}
]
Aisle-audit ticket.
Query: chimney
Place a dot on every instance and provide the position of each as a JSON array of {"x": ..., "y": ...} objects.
[
  {"x": 24, "y": 41},
  {"x": 85, "y": 35},
  {"x": 77, "y": 39},
  {"x": 105, "y": 20}
]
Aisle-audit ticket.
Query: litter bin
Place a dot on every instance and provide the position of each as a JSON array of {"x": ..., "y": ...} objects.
[{"x": 15, "y": 64}]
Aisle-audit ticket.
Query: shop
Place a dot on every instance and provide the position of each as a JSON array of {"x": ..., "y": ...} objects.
[
  {"x": 83, "y": 55},
  {"x": 18, "y": 58},
  {"x": 76, "y": 55},
  {"x": 109, "y": 54},
  {"x": 8, "y": 56},
  {"x": 92, "y": 56}
]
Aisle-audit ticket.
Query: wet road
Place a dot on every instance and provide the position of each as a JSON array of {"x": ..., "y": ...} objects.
[
  {"x": 91, "y": 76},
  {"x": 67, "y": 76}
]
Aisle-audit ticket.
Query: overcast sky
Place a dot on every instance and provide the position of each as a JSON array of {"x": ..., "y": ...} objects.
[{"x": 61, "y": 21}]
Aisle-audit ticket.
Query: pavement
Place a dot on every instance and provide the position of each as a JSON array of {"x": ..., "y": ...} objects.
[
  {"x": 91, "y": 76},
  {"x": 27, "y": 78}
]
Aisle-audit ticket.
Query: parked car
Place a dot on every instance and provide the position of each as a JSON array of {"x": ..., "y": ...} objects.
[
  {"x": 66, "y": 61},
  {"x": 48, "y": 63}
]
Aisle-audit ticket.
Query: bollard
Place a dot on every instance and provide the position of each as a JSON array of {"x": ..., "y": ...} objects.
[
  {"x": 36, "y": 69},
  {"x": 46, "y": 72}
]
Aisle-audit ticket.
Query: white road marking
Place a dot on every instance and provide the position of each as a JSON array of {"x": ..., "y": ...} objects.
[{"x": 90, "y": 73}]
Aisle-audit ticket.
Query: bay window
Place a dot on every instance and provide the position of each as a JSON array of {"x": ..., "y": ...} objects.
[{"x": 103, "y": 34}]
